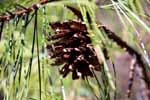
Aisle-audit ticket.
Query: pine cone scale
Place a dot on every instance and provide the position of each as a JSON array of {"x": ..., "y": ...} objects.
[{"x": 72, "y": 47}]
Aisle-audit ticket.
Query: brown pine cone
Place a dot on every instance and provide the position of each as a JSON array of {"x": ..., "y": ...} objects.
[{"x": 72, "y": 45}]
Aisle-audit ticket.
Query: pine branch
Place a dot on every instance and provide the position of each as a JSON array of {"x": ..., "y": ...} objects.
[
  {"x": 111, "y": 35},
  {"x": 23, "y": 11},
  {"x": 131, "y": 78}
]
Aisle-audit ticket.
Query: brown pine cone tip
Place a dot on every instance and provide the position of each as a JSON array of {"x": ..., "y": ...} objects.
[{"x": 72, "y": 45}]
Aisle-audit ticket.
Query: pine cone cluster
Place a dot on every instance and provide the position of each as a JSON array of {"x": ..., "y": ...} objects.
[{"x": 70, "y": 45}]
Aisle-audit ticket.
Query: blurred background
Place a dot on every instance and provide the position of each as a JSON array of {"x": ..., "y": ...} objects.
[{"x": 19, "y": 63}]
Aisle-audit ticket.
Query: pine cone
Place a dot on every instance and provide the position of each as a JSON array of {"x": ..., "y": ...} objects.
[{"x": 71, "y": 45}]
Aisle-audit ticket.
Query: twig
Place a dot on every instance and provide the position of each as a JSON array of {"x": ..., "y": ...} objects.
[
  {"x": 21, "y": 12},
  {"x": 111, "y": 35},
  {"x": 144, "y": 91},
  {"x": 131, "y": 78}
]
